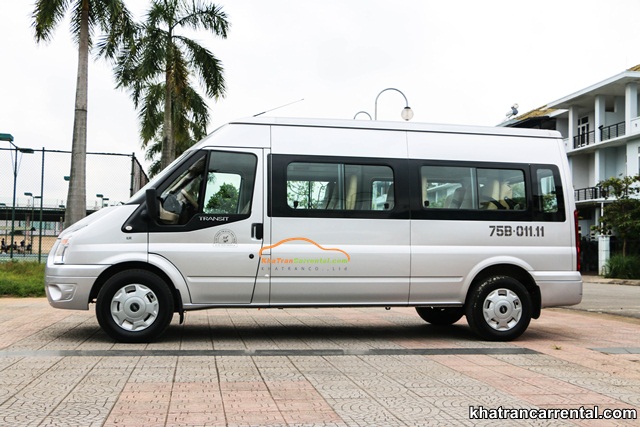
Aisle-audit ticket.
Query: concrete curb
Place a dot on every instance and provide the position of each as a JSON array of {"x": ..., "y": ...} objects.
[{"x": 587, "y": 278}]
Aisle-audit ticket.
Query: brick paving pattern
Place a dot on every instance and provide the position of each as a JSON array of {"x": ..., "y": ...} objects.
[{"x": 308, "y": 367}]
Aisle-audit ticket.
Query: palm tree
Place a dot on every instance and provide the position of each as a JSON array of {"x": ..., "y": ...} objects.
[
  {"x": 190, "y": 117},
  {"x": 162, "y": 57},
  {"x": 113, "y": 19}
]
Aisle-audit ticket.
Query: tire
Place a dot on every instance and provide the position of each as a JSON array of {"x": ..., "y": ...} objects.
[
  {"x": 499, "y": 309},
  {"x": 134, "y": 306},
  {"x": 440, "y": 316}
]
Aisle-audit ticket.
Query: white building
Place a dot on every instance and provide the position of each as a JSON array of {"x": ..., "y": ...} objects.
[{"x": 601, "y": 127}]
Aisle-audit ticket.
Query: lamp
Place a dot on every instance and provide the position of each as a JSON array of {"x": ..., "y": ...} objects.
[{"x": 406, "y": 113}]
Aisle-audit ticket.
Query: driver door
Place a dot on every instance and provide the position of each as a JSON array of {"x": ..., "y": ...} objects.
[{"x": 210, "y": 224}]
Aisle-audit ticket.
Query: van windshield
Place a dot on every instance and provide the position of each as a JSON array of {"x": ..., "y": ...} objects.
[{"x": 139, "y": 195}]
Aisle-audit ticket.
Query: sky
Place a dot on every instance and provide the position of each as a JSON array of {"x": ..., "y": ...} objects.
[{"x": 456, "y": 61}]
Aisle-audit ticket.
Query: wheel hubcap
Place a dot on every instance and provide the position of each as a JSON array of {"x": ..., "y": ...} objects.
[
  {"x": 502, "y": 309},
  {"x": 134, "y": 307}
]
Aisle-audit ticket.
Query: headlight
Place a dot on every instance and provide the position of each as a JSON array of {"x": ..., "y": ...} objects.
[{"x": 61, "y": 248}]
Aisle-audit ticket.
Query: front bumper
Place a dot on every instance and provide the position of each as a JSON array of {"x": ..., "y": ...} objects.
[{"x": 69, "y": 286}]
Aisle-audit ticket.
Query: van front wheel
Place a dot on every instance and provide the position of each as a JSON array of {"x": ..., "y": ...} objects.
[
  {"x": 440, "y": 316},
  {"x": 134, "y": 306},
  {"x": 499, "y": 309}
]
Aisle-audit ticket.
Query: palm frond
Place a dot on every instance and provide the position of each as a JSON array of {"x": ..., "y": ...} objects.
[
  {"x": 179, "y": 72},
  {"x": 151, "y": 114},
  {"x": 119, "y": 29},
  {"x": 46, "y": 16},
  {"x": 199, "y": 15},
  {"x": 208, "y": 68},
  {"x": 162, "y": 12}
]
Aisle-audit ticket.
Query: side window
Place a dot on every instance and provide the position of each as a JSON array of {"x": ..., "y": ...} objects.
[
  {"x": 179, "y": 202},
  {"x": 502, "y": 189},
  {"x": 222, "y": 195},
  {"x": 548, "y": 198},
  {"x": 445, "y": 187},
  {"x": 224, "y": 185},
  {"x": 229, "y": 186},
  {"x": 337, "y": 186},
  {"x": 451, "y": 187},
  {"x": 313, "y": 186},
  {"x": 383, "y": 195},
  {"x": 546, "y": 195}
]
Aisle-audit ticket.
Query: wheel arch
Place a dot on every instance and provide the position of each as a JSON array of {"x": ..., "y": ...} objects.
[
  {"x": 516, "y": 272},
  {"x": 136, "y": 265}
]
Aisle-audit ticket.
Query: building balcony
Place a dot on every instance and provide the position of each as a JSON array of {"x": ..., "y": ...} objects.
[
  {"x": 584, "y": 139},
  {"x": 612, "y": 131},
  {"x": 606, "y": 133},
  {"x": 588, "y": 194}
]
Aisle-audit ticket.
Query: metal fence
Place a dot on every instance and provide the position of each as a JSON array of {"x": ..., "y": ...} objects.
[{"x": 41, "y": 184}]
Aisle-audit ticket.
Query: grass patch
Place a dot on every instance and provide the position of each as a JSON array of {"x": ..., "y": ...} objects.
[
  {"x": 623, "y": 267},
  {"x": 21, "y": 279}
]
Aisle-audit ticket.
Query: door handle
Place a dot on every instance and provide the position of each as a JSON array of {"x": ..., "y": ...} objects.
[{"x": 257, "y": 231}]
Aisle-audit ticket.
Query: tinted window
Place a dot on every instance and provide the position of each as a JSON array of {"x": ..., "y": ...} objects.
[
  {"x": 548, "y": 197},
  {"x": 221, "y": 184},
  {"x": 338, "y": 186},
  {"x": 450, "y": 187}
]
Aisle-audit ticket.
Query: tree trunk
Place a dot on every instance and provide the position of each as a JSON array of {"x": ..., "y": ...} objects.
[
  {"x": 77, "y": 197},
  {"x": 168, "y": 149}
]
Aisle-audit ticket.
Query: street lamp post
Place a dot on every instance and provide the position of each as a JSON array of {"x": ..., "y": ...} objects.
[
  {"x": 32, "y": 228},
  {"x": 41, "y": 201},
  {"x": 406, "y": 113},
  {"x": 29, "y": 194},
  {"x": 9, "y": 138},
  {"x": 362, "y": 112},
  {"x": 4, "y": 205},
  {"x": 40, "y": 233}
]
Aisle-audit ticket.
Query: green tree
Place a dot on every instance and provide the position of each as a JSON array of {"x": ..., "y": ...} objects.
[
  {"x": 306, "y": 194},
  {"x": 190, "y": 118},
  {"x": 113, "y": 20},
  {"x": 224, "y": 201},
  {"x": 159, "y": 57},
  {"x": 623, "y": 214}
]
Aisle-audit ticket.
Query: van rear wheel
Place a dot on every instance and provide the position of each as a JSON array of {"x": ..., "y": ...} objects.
[
  {"x": 440, "y": 316},
  {"x": 134, "y": 306},
  {"x": 499, "y": 309}
]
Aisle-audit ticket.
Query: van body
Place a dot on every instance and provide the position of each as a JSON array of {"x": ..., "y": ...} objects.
[{"x": 270, "y": 212}]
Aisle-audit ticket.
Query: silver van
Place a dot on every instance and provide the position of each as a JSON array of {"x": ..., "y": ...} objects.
[{"x": 267, "y": 212}]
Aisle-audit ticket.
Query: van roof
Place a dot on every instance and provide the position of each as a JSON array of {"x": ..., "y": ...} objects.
[{"x": 397, "y": 125}]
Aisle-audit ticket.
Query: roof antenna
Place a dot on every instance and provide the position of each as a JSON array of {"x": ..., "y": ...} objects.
[{"x": 282, "y": 106}]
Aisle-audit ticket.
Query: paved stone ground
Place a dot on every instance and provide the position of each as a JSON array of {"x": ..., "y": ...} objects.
[{"x": 309, "y": 367}]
